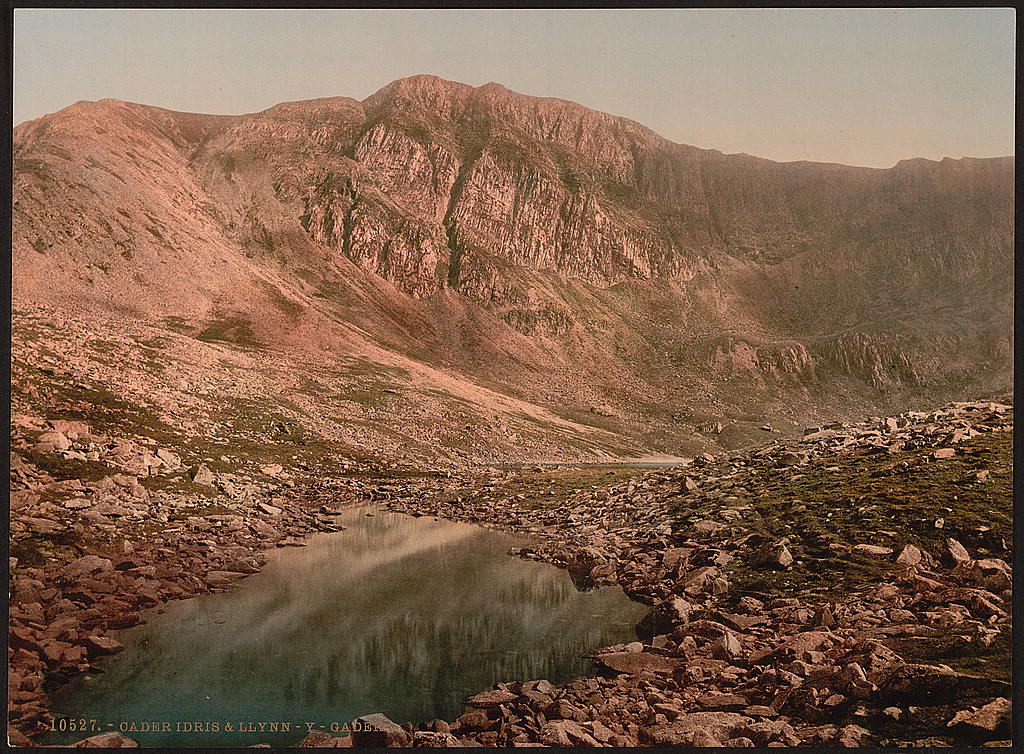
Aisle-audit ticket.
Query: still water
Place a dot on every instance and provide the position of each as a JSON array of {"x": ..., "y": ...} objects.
[{"x": 401, "y": 615}]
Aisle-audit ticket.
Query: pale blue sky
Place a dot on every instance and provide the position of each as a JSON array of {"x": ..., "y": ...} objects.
[{"x": 857, "y": 86}]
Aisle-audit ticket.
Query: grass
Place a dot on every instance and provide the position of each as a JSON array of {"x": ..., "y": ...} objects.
[
  {"x": 233, "y": 330},
  {"x": 103, "y": 411},
  {"x": 66, "y": 468},
  {"x": 875, "y": 498}
]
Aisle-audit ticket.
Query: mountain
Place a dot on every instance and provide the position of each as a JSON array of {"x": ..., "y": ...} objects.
[{"x": 566, "y": 281}]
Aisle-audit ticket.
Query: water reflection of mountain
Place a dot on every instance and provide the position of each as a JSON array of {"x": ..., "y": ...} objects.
[{"x": 397, "y": 614}]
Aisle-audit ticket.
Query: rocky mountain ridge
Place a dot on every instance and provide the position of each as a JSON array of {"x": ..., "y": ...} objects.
[{"x": 567, "y": 257}]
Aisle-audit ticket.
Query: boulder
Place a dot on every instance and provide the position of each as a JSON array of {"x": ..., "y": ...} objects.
[
  {"x": 632, "y": 662},
  {"x": 695, "y": 729},
  {"x": 727, "y": 647},
  {"x": 665, "y": 617},
  {"x": 106, "y": 741},
  {"x": 909, "y": 556},
  {"x": 876, "y": 551},
  {"x": 53, "y": 441},
  {"x": 171, "y": 460},
  {"x": 202, "y": 475},
  {"x": 433, "y": 740},
  {"x": 991, "y": 717},
  {"x": 771, "y": 556},
  {"x": 87, "y": 565},
  {"x": 852, "y": 736},
  {"x": 491, "y": 698},
  {"x": 317, "y": 739},
  {"x": 956, "y": 552},
  {"x": 377, "y": 731},
  {"x": 98, "y": 646}
]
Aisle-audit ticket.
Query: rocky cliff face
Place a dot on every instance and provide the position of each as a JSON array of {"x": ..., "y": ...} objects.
[{"x": 559, "y": 251}]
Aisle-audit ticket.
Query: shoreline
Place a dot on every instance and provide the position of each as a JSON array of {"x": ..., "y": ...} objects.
[{"x": 702, "y": 656}]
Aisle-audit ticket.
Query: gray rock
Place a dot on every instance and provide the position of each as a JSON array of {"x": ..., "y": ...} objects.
[
  {"x": 873, "y": 550},
  {"x": 909, "y": 556},
  {"x": 377, "y": 731},
  {"x": 202, "y": 475}
]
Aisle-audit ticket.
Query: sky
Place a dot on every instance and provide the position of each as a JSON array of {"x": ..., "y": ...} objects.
[{"x": 856, "y": 86}]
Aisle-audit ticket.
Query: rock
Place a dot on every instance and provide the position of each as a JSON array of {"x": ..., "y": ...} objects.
[
  {"x": 106, "y": 741},
  {"x": 564, "y": 733},
  {"x": 240, "y": 566},
  {"x": 909, "y": 556},
  {"x": 770, "y": 732},
  {"x": 98, "y": 646},
  {"x": 872, "y": 550},
  {"x": 727, "y": 647},
  {"x": 989, "y": 573},
  {"x": 772, "y": 556},
  {"x": 53, "y": 441},
  {"x": 852, "y": 736},
  {"x": 706, "y": 526},
  {"x": 272, "y": 469},
  {"x": 631, "y": 662},
  {"x": 79, "y": 503},
  {"x": 86, "y": 565},
  {"x": 41, "y": 525},
  {"x": 724, "y": 702},
  {"x": 317, "y": 739},
  {"x": 807, "y": 641},
  {"x": 221, "y": 578},
  {"x": 433, "y": 739},
  {"x": 944, "y": 453},
  {"x": 665, "y": 617},
  {"x": 919, "y": 681},
  {"x": 377, "y": 731},
  {"x": 696, "y": 729},
  {"x": 171, "y": 460},
  {"x": 491, "y": 698},
  {"x": 269, "y": 509},
  {"x": 554, "y": 734},
  {"x": 202, "y": 475},
  {"x": 565, "y": 710},
  {"x": 991, "y": 717},
  {"x": 674, "y": 557},
  {"x": 474, "y": 719},
  {"x": 956, "y": 551}
]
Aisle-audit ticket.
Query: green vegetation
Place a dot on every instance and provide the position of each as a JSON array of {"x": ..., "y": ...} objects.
[
  {"x": 66, "y": 468},
  {"x": 874, "y": 498},
  {"x": 227, "y": 329},
  {"x": 103, "y": 411}
]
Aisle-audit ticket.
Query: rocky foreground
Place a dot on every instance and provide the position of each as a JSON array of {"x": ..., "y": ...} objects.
[{"x": 848, "y": 589}]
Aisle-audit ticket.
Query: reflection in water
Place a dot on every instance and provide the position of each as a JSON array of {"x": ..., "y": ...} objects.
[{"x": 400, "y": 615}]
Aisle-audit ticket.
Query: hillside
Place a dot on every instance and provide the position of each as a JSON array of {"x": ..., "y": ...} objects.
[{"x": 512, "y": 256}]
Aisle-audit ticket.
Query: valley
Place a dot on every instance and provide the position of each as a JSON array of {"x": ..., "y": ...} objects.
[{"x": 764, "y": 408}]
